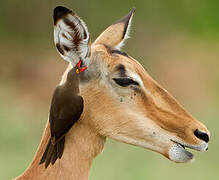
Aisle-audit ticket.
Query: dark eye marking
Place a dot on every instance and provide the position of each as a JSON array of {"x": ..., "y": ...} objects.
[
  {"x": 119, "y": 52},
  {"x": 125, "y": 81},
  {"x": 121, "y": 69}
]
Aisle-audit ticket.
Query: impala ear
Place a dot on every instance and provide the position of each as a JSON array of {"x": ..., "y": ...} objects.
[
  {"x": 71, "y": 35},
  {"x": 116, "y": 34}
]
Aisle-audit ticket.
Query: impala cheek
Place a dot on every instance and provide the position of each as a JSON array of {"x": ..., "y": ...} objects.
[{"x": 153, "y": 135}]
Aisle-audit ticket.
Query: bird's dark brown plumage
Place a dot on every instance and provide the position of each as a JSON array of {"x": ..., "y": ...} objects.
[{"x": 66, "y": 108}]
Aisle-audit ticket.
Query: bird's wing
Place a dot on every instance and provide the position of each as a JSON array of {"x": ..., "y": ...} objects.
[
  {"x": 77, "y": 107},
  {"x": 68, "y": 114},
  {"x": 55, "y": 105}
]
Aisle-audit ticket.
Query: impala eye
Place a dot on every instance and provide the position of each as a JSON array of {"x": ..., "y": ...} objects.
[{"x": 124, "y": 82}]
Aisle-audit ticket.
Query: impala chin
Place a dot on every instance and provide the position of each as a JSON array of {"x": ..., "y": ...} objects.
[{"x": 178, "y": 152}]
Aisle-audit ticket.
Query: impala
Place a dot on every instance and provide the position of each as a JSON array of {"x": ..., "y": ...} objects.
[{"x": 122, "y": 102}]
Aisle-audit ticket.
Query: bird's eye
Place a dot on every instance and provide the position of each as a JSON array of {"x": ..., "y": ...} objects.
[{"x": 125, "y": 81}]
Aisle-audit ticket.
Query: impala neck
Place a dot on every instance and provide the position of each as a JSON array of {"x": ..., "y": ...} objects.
[{"x": 82, "y": 145}]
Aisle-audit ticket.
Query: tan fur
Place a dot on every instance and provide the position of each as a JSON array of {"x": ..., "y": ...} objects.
[
  {"x": 117, "y": 33},
  {"x": 146, "y": 116},
  {"x": 112, "y": 37}
]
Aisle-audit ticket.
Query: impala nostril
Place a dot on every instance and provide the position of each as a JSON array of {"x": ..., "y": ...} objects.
[{"x": 201, "y": 135}]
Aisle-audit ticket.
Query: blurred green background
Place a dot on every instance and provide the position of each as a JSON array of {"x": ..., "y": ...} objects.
[{"x": 176, "y": 41}]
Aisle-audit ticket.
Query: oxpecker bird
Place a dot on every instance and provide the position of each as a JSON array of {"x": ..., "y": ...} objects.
[
  {"x": 66, "y": 108},
  {"x": 71, "y": 38}
]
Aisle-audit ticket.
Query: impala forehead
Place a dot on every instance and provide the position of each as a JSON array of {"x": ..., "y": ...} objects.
[{"x": 122, "y": 65}]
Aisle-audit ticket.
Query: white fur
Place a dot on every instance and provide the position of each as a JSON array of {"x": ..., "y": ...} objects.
[
  {"x": 127, "y": 34},
  {"x": 178, "y": 154},
  {"x": 73, "y": 55},
  {"x": 137, "y": 78}
]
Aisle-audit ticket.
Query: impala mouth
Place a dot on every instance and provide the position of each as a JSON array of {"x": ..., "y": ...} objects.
[{"x": 179, "y": 153}]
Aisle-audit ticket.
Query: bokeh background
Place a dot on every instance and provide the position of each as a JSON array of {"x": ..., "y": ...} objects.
[{"x": 176, "y": 41}]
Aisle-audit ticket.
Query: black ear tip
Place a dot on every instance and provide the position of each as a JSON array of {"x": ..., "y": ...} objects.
[
  {"x": 59, "y": 12},
  {"x": 126, "y": 18},
  {"x": 133, "y": 10},
  {"x": 61, "y": 9}
]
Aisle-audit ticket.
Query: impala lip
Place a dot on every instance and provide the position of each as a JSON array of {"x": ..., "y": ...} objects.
[
  {"x": 202, "y": 147},
  {"x": 179, "y": 153}
]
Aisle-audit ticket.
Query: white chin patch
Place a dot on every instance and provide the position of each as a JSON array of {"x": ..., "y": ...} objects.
[{"x": 178, "y": 154}]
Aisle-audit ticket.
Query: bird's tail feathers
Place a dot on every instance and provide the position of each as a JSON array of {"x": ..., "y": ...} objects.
[
  {"x": 60, "y": 147},
  {"x": 46, "y": 152},
  {"x": 53, "y": 152}
]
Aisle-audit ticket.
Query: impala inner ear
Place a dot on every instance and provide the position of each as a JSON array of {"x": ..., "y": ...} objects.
[
  {"x": 71, "y": 35},
  {"x": 116, "y": 34}
]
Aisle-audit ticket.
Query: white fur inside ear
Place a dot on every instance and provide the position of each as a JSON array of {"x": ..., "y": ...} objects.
[
  {"x": 71, "y": 37},
  {"x": 127, "y": 34}
]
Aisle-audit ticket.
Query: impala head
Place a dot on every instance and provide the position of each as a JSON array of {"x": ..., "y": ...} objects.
[{"x": 127, "y": 105}]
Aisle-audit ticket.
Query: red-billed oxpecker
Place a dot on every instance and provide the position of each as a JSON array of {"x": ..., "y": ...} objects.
[{"x": 71, "y": 38}]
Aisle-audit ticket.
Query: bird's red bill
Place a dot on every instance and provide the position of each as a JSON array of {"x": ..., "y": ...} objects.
[{"x": 80, "y": 69}]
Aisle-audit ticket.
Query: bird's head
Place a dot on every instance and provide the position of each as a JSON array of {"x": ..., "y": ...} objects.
[{"x": 79, "y": 67}]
